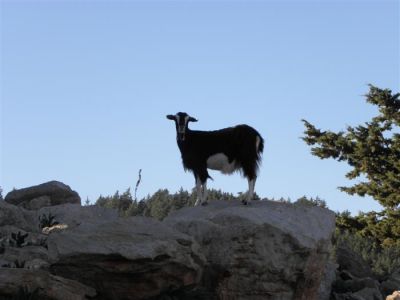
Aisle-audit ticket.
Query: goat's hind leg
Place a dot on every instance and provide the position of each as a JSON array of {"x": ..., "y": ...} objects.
[
  {"x": 204, "y": 200},
  {"x": 201, "y": 185},
  {"x": 250, "y": 192}
]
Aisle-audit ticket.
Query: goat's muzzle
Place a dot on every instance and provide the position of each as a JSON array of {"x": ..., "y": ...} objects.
[
  {"x": 181, "y": 136},
  {"x": 181, "y": 133}
]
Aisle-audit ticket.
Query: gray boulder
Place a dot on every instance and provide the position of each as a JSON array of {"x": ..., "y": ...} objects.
[
  {"x": 46, "y": 194},
  {"x": 352, "y": 262},
  {"x": 132, "y": 258},
  {"x": 73, "y": 214},
  {"x": 11, "y": 215},
  {"x": 267, "y": 250},
  {"x": 41, "y": 283}
]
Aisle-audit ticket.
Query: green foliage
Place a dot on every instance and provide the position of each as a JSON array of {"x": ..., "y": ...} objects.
[
  {"x": 47, "y": 221},
  {"x": 6, "y": 265},
  {"x": 24, "y": 293},
  {"x": 372, "y": 150},
  {"x": 383, "y": 228},
  {"x": 374, "y": 236},
  {"x": 117, "y": 201},
  {"x": 304, "y": 201},
  {"x": 19, "y": 264},
  {"x": 18, "y": 239},
  {"x": 382, "y": 260},
  {"x": 160, "y": 204}
]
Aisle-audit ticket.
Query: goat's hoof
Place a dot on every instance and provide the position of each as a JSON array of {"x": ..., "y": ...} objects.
[{"x": 204, "y": 203}]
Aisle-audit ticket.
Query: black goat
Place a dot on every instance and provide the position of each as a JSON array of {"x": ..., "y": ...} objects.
[{"x": 228, "y": 150}]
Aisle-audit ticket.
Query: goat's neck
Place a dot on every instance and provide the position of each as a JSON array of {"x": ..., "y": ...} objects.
[{"x": 186, "y": 142}]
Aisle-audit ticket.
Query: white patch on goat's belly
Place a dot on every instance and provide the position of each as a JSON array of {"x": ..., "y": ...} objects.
[{"x": 221, "y": 163}]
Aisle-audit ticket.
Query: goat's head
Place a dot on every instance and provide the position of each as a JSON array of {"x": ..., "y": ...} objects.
[{"x": 181, "y": 121}]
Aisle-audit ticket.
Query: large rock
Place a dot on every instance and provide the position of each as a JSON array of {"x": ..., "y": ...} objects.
[
  {"x": 73, "y": 214},
  {"x": 46, "y": 194},
  {"x": 133, "y": 258},
  {"x": 352, "y": 262},
  {"x": 44, "y": 285},
  {"x": 267, "y": 250},
  {"x": 11, "y": 215}
]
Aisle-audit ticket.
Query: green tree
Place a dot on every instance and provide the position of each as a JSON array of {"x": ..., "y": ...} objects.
[
  {"x": 117, "y": 201},
  {"x": 372, "y": 150}
]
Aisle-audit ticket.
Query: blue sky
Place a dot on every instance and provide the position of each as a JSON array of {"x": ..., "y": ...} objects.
[{"x": 86, "y": 85}]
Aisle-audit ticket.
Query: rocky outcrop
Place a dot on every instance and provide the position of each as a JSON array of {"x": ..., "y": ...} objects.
[
  {"x": 135, "y": 258},
  {"x": 355, "y": 280},
  {"x": 46, "y": 194},
  {"x": 351, "y": 262},
  {"x": 267, "y": 250},
  {"x": 42, "y": 284}
]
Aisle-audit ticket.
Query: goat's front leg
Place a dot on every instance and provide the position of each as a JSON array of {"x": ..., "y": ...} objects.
[{"x": 199, "y": 191}]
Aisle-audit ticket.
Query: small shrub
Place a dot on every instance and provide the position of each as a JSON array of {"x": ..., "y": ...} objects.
[
  {"x": 6, "y": 265},
  {"x": 42, "y": 243},
  {"x": 18, "y": 239},
  {"x": 18, "y": 264},
  {"x": 47, "y": 221},
  {"x": 304, "y": 201},
  {"x": 25, "y": 294}
]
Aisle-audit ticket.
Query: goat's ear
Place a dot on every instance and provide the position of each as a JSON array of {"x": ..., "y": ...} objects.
[
  {"x": 171, "y": 117},
  {"x": 191, "y": 119}
]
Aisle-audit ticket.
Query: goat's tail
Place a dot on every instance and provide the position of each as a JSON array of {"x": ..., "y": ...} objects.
[
  {"x": 259, "y": 150},
  {"x": 259, "y": 145}
]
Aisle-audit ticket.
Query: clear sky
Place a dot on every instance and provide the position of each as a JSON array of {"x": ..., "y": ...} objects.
[{"x": 86, "y": 85}]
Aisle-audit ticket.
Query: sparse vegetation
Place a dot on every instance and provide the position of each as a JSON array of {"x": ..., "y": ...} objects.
[
  {"x": 18, "y": 239},
  {"x": 382, "y": 260},
  {"x": 6, "y": 265},
  {"x": 24, "y": 293},
  {"x": 19, "y": 264},
  {"x": 47, "y": 220},
  {"x": 304, "y": 201},
  {"x": 159, "y": 205}
]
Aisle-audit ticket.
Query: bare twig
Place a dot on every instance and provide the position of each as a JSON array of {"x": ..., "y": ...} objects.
[{"x": 138, "y": 182}]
